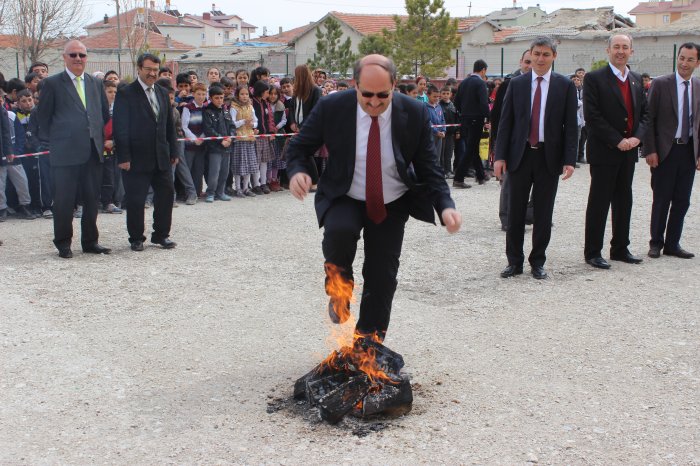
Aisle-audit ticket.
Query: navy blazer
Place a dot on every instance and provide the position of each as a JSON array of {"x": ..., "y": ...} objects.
[
  {"x": 472, "y": 98},
  {"x": 72, "y": 130},
  {"x": 606, "y": 116},
  {"x": 333, "y": 122},
  {"x": 138, "y": 137},
  {"x": 560, "y": 124}
]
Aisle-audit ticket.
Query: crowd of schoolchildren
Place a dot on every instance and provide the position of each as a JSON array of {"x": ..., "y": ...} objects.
[{"x": 235, "y": 108}]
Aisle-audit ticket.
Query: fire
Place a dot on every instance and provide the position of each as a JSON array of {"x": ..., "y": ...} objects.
[{"x": 339, "y": 289}]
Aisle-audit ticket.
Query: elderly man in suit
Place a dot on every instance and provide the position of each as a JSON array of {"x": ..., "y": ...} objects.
[
  {"x": 146, "y": 142},
  {"x": 72, "y": 112},
  {"x": 616, "y": 117},
  {"x": 537, "y": 142},
  {"x": 671, "y": 150},
  {"x": 383, "y": 168}
]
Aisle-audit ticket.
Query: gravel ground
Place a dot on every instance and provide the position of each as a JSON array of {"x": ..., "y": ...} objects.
[{"x": 189, "y": 356}]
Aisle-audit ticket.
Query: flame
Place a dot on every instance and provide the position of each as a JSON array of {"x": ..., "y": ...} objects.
[{"x": 342, "y": 338}]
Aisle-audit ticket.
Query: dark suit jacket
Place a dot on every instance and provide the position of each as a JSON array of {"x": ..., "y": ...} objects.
[
  {"x": 307, "y": 106},
  {"x": 138, "y": 138},
  {"x": 560, "y": 126},
  {"x": 663, "y": 116},
  {"x": 606, "y": 116},
  {"x": 472, "y": 98},
  {"x": 333, "y": 122},
  {"x": 72, "y": 130},
  {"x": 5, "y": 137}
]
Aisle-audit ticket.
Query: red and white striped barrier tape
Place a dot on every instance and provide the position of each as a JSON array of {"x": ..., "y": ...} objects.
[{"x": 215, "y": 138}]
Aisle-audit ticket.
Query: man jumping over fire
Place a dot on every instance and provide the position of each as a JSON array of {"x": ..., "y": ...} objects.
[{"x": 382, "y": 167}]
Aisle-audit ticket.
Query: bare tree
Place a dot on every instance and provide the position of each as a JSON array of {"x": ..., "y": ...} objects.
[
  {"x": 134, "y": 26},
  {"x": 38, "y": 24}
]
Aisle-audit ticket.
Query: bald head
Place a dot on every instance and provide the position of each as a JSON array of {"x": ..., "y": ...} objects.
[
  {"x": 75, "y": 57},
  {"x": 376, "y": 62}
]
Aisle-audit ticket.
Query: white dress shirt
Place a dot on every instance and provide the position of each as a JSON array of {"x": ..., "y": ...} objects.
[
  {"x": 544, "y": 90},
  {"x": 393, "y": 186},
  {"x": 681, "y": 93},
  {"x": 618, "y": 74},
  {"x": 75, "y": 83},
  {"x": 154, "y": 97}
]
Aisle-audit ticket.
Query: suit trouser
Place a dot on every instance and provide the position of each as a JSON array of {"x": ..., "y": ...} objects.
[
  {"x": 18, "y": 178},
  {"x": 611, "y": 188},
  {"x": 532, "y": 173},
  {"x": 69, "y": 184},
  {"x": 471, "y": 131},
  {"x": 504, "y": 199},
  {"x": 108, "y": 189},
  {"x": 582, "y": 136},
  {"x": 672, "y": 184},
  {"x": 136, "y": 184},
  {"x": 342, "y": 224},
  {"x": 46, "y": 183}
]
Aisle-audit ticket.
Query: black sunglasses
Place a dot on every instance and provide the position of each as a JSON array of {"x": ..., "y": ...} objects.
[
  {"x": 75, "y": 55},
  {"x": 380, "y": 95}
]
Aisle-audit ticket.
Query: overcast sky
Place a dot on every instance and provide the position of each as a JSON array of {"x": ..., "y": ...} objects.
[{"x": 294, "y": 13}]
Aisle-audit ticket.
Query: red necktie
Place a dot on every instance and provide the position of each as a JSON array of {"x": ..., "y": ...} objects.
[
  {"x": 534, "y": 138},
  {"x": 374, "y": 194}
]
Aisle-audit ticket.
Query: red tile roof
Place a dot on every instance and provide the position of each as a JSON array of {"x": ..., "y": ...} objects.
[
  {"x": 158, "y": 17},
  {"x": 367, "y": 24},
  {"x": 286, "y": 36},
  {"x": 503, "y": 34},
  {"x": 8, "y": 40},
  {"x": 465, "y": 24},
  {"x": 109, "y": 40},
  {"x": 650, "y": 8}
]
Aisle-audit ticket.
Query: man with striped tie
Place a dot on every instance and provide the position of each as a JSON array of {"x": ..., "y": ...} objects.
[{"x": 146, "y": 146}]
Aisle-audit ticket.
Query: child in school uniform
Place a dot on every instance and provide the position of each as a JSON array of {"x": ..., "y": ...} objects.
[
  {"x": 437, "y": 118},
  {"x": 195, "y": 151},
  {"x": 266, "y": 125},
  {"x": 280, "y": 117},
  {"x": 217, "y": 123},
  {"x": 244, "y": 161}
]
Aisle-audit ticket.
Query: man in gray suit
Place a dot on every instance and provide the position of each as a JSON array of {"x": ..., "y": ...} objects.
[
  {"x": 671, "y": 150},
  {"x": 72, "y": 112}
]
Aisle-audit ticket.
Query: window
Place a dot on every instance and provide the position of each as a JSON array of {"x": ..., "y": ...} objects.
[
  {"x": 226, "y": 35},
  {"x": 243, "y": 36},
  {"x": 666, "y": 19}
]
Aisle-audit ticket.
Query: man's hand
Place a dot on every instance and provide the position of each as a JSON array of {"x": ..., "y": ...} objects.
[
  {"x": 440, "y": 134},
  {"x": 10, "y": 157},
  {"x": 499, "y": 168},
  {"x": 295, "y": 127},
  {"x": 698, "y": 166},
  {"x": 109, "y": 144},
  {"x": 452, "y": 220},
  {"x": 126, "y": 166},
  {"x": 174, "y": 161},
  {"x": 568, "y": 171},
  {"x": 198, "y": 142},
  {"x": 226, "y": 142},
  {"x": 487, "y": 125},
  {"x": 624, "y": 145},
  {"x": 653, "y": 160},
  {"x": 299, "y": 185},
  {"x": 633, "y": 142}
]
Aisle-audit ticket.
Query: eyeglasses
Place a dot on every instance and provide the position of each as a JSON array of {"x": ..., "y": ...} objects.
[
  {"x": 150, "y": 70},
  {"x": 380, "y": 95},
  {"x": 76, "y": 55}
]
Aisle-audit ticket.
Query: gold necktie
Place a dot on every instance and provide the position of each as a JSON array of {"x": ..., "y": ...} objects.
[{"x": 79, "y": 88}]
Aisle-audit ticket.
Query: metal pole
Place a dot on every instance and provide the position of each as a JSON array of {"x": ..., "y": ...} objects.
[
  {"x": 119, "y": 41},
  {"x": 675, "y": 53},
  {"x": 287, "y": 65},
  {"x": 457, "y": 64},
  {"x": 502, "y": 53},
  {"x": 148, "y": 24},
  {"x": 17, "y": 62}
]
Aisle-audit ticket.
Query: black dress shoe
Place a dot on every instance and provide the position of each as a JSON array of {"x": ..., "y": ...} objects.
[
  {"x": 680, "y": 252},
  {"x": 65, "y": 253},
  {"x": 598, "y": 262},
  {"x": 511, "y": 271},
  {"x": 333, "y": 314},
  {"x": 24, "y": 213},
  {"x": 461, "y": 185},
  {"x": 97, "y": 249},
  {"x": 137, "y": 246},
  {"x": 626, "y": 257},
  {"x": 654, "y": 252},
  {"x": 165, "y": 243},
  {"x": 538, "y": 272}
]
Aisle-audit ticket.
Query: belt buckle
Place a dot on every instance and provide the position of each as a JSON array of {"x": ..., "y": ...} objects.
[
  {"x": 536, "y": 147},
  {"x": 679, "y": 141}
]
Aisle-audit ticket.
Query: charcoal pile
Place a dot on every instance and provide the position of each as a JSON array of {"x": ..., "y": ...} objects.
[{"x": 363, "y": 380}]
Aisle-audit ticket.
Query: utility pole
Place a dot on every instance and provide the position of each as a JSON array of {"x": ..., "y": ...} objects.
[
  {"x": 148, "y": 23},
  {"x": 119, "y": 41},
  {"x": 470, "y": 10}
]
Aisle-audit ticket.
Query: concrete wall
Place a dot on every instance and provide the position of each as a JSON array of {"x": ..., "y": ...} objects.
[
  {"x": 305, "y": 46},
  {"x": 8, "y": 62},
  {"x": 187, "y": 35}
]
